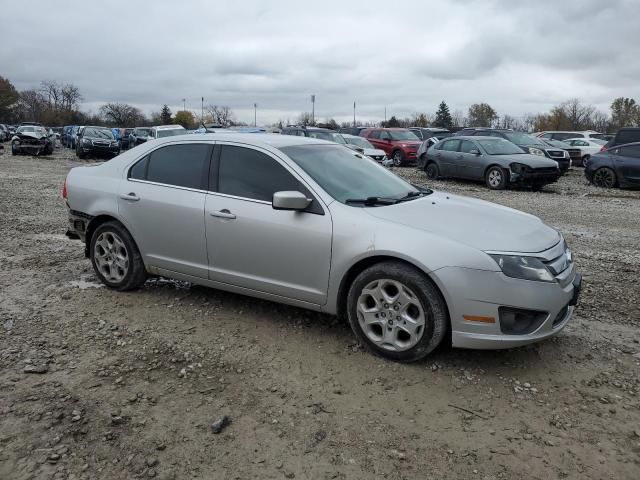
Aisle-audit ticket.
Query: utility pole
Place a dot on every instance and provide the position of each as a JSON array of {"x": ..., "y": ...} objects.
[
  {"x": 184, "y": 105},
  {"x": 313, "y": 109},
  {"x": 202, "y": 111},
  {"x": 255, "y": 114},
  {"x": 385, "y": 114},
  {"x": 354, "y": 113}
]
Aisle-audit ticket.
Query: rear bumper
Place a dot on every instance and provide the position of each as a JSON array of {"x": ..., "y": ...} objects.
[{"x": 77, "y": 225}]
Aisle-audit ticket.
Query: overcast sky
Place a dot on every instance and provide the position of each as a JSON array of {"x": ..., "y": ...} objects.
[{"x": 518, "y": 56}]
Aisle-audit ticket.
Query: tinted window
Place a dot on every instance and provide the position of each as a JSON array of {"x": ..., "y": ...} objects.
[
  {"x": 374, "y": 134},
  {"x": 184, "y": 165},
  {"x": 466, "y": 146},
  {"x": 418, "y": 133},
  {"x": 248, "y": 173},
  {"x": 630, "y": 151},
  {"x": 139, "y": 170},
  {"x": 628, "y": 136},
  {"x": 385, "y": 135},
  {"x": 450, "y": 145}
]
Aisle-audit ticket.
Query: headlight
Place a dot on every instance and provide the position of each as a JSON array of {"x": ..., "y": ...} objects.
[
  {"x": 16, "y": 142},
  {"x": 114, "y": 144},
  {"x": 519, "y": 167},
  {"x": 526, "y": 268},
  {"x": 536, "y": 151}
]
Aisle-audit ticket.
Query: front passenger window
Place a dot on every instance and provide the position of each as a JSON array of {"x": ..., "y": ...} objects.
[{"x": 248, "y": 173}]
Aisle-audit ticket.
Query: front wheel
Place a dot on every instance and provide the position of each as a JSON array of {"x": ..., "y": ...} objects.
[
  {"x": 496, "y": 179},
  {"x": 13, "y": 150},
  {"x": 398, "y": 158},
  {"x": 116, "y": 258},
  {"x": 585, "y": 159},
  {"x": 432, "y": 171},
  {"x": 605, "y": 178},
  {"x": 397, "y": 312}
]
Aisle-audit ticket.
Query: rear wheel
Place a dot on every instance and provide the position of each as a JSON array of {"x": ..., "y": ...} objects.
[
  {"x": 605, "y": 177},
  {"x": 116, "y": 258},
  {"x": 585, "y": 159},
  {"x": 432, "y": 171},
  {"x": 397, "y": 312},
  {"x": 398, "y": 158},
  {"x": 496, "y": 179}
]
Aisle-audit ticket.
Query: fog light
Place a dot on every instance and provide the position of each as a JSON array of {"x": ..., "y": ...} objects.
[{"x": 515, "y": 321}]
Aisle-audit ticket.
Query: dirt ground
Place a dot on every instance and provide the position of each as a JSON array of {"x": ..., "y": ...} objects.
[{"x": 130, "y": 383}]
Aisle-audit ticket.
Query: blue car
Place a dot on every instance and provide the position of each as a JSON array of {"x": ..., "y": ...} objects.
[{"x": 616, "y": 167}]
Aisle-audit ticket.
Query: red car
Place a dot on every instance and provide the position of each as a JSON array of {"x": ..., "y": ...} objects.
[{"x": 400, "y": 144}]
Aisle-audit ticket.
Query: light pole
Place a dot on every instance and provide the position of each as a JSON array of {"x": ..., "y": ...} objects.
[
  {"x": 255, "y": 114},
  {"x": 313, "y": 109},
  {"x": 184, "y": 107},
  {"x": 202, "y": 111},
  {"x": 354, "y": 113},
  {"x": 385, "y": 114}
]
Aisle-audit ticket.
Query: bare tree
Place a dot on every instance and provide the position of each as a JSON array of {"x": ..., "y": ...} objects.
[
  {"x": 121, "y": 114},
  {"x": 577, "y": 114},
  {"x": 221, "y": 115}
]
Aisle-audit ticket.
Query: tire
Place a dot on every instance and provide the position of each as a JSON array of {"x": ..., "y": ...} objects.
[
  {"x": 605, "y": 177},
  {"x": 116, "y": 258},
  {"x": 585, "y": 159},
  {"x": 411, "y": 297},
  {"x": 495, "y": 178},
  {"x": 13, "y": 151},
  {"x": 432, "y": 171},
  {"x": 398, "y": 158},
  {"x": 48, "y": 150},
  {"x": 80, "y": 154}
]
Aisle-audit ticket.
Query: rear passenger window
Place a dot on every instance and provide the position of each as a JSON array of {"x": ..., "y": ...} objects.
[
  {"x": 185, "y": 165},
  {"x": 375, "y": 134},
  {"x": 139, "y": 170},
  {"x": 247, "y": 173},
  {"x": 450, "y": 145},
  {"x": 467, "y": 146}
]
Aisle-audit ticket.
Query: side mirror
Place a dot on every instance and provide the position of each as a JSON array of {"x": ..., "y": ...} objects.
[
  {"x": 474, "y": 152},
  {"x": 290, "y": 200}
]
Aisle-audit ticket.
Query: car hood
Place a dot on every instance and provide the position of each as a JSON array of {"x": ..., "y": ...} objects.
[
  {"x": 479, "y": 224},
  {"x": 534, "y": 161},
  {"x": 373, "y": 152},
  {"x": 29, "y": 135}
]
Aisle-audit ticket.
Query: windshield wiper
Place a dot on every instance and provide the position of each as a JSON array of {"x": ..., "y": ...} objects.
[
  {"x": 371, "y": 201},
  {"x": 414, "y": 194}
]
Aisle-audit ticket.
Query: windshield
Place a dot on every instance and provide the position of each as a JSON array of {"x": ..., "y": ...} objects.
[
  {"x": 520, "y": 138},
  {"x": 142, "y": 132},
  {"x": 599, "y": 141},
  {"x": 330, "y": 136},
  {"x": 25, "y": 129},
  {"x": 98, "y": 133},
  {"x": 170, "y": 133},
  {"x": 402, "y": 135},
  {"x": 345, "y": 174},
  {"x": 359, "y": 142},
  {"x": 499, "y": 146}
]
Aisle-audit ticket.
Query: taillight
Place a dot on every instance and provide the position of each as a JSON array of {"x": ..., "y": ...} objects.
[{"x": 64, "y": 189}]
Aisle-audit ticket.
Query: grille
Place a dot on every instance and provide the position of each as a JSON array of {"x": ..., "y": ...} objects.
[
  {"x": 556, "y": 153},
  {"x": 550, "y": 170},
  {"x": 560, "y": 317}
]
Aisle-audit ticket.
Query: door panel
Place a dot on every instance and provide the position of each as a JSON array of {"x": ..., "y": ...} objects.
[
  {"x": 280, "y": 252},
  {"x": 469, "y": 165},
  {"x": 167, "y": 224},
  {"x": 448, "y": 158},
  {"x": 628, "y": 164}
]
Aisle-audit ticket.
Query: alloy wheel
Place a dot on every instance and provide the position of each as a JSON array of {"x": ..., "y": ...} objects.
[
  {"x": 111, "y": 257},
  {"x": 397, "y": 158},
  {"x": 391, "y": 315},
  {"x": 495, "y": 178},
  {"x": 605, "y": 178}
]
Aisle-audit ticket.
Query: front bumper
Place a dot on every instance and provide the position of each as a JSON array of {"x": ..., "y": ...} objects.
[
  {"x": 100, "y": 151},
  {"x": 480, "y": 294}
]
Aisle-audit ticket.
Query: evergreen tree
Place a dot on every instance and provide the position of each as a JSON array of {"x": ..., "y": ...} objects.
[
  {"x": 165, "y": 115},
  {"x": 443, "y": 116}
]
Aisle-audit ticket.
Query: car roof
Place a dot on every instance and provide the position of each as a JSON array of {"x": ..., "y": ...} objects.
[
  {"x": 274, "y": 140},
  {"x": 169, "y": 127}
]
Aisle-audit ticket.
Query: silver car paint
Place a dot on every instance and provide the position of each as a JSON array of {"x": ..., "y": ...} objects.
[{"x": 443, "y": 235}]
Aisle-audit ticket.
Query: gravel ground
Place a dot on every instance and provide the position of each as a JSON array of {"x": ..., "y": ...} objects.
[{"x": 99, "y": 384}]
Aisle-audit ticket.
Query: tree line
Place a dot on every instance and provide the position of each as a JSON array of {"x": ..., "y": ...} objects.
[{"x": 55, "y": 104}]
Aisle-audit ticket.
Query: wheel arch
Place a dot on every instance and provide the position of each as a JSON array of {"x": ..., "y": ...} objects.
[
  {"x": 93, "y": 225},
  {"x": 364, "y": 263}
]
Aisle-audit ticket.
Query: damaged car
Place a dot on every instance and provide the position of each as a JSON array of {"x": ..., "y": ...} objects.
[{"x": 32, "y": 140}]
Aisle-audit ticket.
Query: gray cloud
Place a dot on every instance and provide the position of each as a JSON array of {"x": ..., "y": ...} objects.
[{"x": 519, "y": 56}]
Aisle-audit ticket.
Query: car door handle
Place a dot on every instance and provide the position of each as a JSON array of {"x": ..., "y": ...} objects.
[
  {"x": 223, "y": 214},
  {"x": 131, "y": 197}
]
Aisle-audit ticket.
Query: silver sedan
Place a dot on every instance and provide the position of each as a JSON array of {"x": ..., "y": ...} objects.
[{"x": 312, "y": 224}]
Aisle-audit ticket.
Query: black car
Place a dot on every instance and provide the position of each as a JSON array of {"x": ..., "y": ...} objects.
[
  {"x": 529, "y": 143},
  {"x": 496, "y": 161},
  {"x": 97, "y": 141},
  {"x": 138, "y": 135},
  {"x": 616, "y": 167},
  {"x": 352, "y": 130},
  {"x": 424, "y": 133},
  {"x": 575, "y": 154},
  {"x": 623, "y": 136}
]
